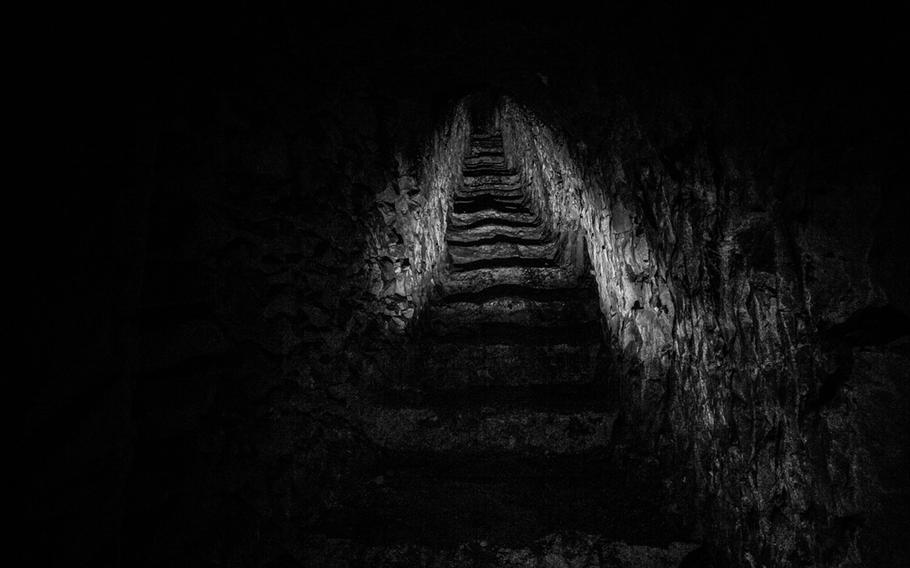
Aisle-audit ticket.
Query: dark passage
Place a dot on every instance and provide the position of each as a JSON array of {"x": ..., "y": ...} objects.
[
  {"x": 499, "y": 439},
  {"x": 439, "y": 287}
]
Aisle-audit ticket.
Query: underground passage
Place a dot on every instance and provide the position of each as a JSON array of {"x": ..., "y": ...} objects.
[{"x": 468, "y": 289}]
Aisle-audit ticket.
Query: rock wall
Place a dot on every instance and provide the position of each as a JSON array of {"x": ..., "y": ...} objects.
[
  {"x": 406, "y": 246},
  {"x": 703, "y": 284},
  {"x": 636, "y": 302}
]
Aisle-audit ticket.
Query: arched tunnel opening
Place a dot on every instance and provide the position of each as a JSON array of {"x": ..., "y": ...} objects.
[{"x": 418, "y": 289}]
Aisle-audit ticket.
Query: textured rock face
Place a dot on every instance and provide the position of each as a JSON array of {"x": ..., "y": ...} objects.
[
  {"x": 406, "y": 237},
  {"x": 706, "y": 293},
  {"x": 636, "y": 297}
]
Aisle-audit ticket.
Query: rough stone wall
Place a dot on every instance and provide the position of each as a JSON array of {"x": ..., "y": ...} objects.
[
  {"x": 543, "y": 166},
  {"x": 406, "y": 243},
  {"x": 703, "y": 282},
  {"x": 638, "y": 315}
]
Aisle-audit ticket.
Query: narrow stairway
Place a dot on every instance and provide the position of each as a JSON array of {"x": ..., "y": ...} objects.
[{"x": 500, "y": 438}]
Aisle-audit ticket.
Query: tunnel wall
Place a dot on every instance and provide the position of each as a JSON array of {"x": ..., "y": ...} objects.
[
  {"x": 619, "y": 254},
  {"x": 702, "y": 283},
  {"x": 406, "y": 244},
  {"x": 540, "y": 172}
]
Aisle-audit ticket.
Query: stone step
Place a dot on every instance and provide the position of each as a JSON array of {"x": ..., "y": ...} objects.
[
  {"x": 474, "y": 218},
  {"x": 516, "y": 511},
  {"x": 504, "y": 262},
  {"x": 488, "y": 170},
  {"x": 491, "y": 189},
  {"x": 507, "y": 333},
  {"x": 491, "y": 171},
  {"x": 492, "y": 466},
  {"x": 450, "y": 365},
  {"x": 503, "y": 196},
  {"x": 484, "y": 142},
  {"x": 513, "y": 198},
  {"x": 532, "y": 277},
  {"x": 444, "y": 512},
  {"x": 487, "y": 142},
  {"x": 422, "y": 497},
  {"x": 594, "y": 395},
  {"x": 486, "y": 160},
  {"x": 507, "y": 190},
  {"x": 485, "y": 150},
  {"x": 490, "y": 231},
  {"x": 474, "y": 252},
  {"x": 455, "y": 239},
  {"x": 492, "y": 180},
  {"x": 510, "y": 310},
  {"x": 570, "y": 549},
  {"x": 493, "y": 204},
  {"x": 486, "y": 146},
  {"x": 581, "y": 293},
  {"x": 487, "y": 428}
]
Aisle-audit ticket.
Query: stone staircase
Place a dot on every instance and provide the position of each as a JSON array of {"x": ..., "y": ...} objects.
[{"x": 500, "y": 435}]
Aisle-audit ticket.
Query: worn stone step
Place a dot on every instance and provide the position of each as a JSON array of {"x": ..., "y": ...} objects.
[
  {"x": 503, "y": 197},
  {"x": 488, "y": 216},
  {"x": 487, "y": 428},
  {"x": 513, "y": 197},
  {"x": 566, "y": 549},
  {"x": 588, "y": 500},
  {"x": 486, "y": 160},
  {"x": 487, "y": 142},
  {"x": 571, "y": 550},
  {"x": 532, "y": 277},
  {"x": 581, "y": 293},
  {"x": 454, "y": 239},
  {"x": 506, "y": 333},
  {"x": 488, "y": 170},
  {"x": 486, "y": 146},
  {"x": 492, "y": 150},
  {"x": 506, "y": 195},
  {"x": 479, "y": 466},
  {"x": 452, "y": 365},
  {"x": 511, "y": 310},
  {"x": 501, "y": 249},
  {"x": 489, "y": 145},
  {"x": 492, "y": 180},
  {"x": 594, "y": 395},
  {"x": 485, "y": 154},
  {"x": 445, "y": 512},
  {"x": 469, "y": 190},
  {"x": 492, "y": 189},
  {"x": 503, "y": 262},
  {"x": 505, "y": 190},
  {"x": 493, "y": 204},
  {"x": 489, "y": 231},
  {"x": 489, "y": 156}
]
